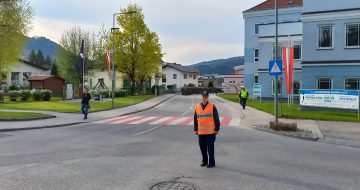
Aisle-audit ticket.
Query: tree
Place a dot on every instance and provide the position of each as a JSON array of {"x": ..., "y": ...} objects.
[
  {"x": 68, "y": 58},
  {"x": 15, "y": 22},
  {"x": 32, "y": 56},
  {"x": 39, "y": 60},
  {"x": 211, "y": 84},
  {"x": 47, "y": 62},
  {"x": 54, "y": 70},
  {"x": 138, "y": 51}
]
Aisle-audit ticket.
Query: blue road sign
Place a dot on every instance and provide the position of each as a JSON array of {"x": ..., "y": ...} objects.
[{"x": 275, "y": 67}]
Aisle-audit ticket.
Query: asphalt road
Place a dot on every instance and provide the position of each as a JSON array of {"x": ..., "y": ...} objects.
[{"x": 135, "y": 155}]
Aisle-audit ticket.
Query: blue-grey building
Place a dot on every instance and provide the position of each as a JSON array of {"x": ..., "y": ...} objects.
[
  {"x": 326, "y": 38},
  {"x": 331, "y": 33},
  {"x": 260, "y": 43}
]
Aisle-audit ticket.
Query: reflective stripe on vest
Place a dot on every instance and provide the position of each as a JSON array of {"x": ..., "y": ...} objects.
[
  {"x": 243, "y": 93},
  {"x": 205, "y": 118}
]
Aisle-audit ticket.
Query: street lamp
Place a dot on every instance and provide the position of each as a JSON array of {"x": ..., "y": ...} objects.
[{"x": 112, "y": 55}]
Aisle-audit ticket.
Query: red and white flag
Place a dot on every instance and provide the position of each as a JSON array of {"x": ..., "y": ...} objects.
[
  {"x": 107, "y": 56},
  {"x": 288, "y": 61}
]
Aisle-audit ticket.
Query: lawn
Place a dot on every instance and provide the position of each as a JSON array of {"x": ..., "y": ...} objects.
[
  {"x": 59, "y": 106},
  {"x": 293, "y": 112},
  {"x": 21, "y": 115}
]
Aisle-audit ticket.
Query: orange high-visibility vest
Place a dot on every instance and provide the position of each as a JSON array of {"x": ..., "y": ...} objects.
[{"x": 205, "y": 118}]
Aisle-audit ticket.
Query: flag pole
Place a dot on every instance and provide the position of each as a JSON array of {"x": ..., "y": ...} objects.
[{"x": 276, "y": 57}]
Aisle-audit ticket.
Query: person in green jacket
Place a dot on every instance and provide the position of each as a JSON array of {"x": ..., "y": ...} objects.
[{"x": 244, "y": 94}]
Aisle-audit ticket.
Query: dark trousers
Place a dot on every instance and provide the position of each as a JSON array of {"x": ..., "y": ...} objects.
[
  {"x": 207, "y": 148},
  {"x": 243, "y": 102},
  {"x": 85, "y": 110}
]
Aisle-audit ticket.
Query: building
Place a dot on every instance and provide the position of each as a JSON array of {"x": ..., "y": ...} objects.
[
  {"x": 20, "y": 74},
  {"x": 260, "y": 43},
  {"x": 49, "y": 82},
  {"x": 233, "y": 83},
  {"x": 326, "y": 38},
  {"x": 331, "y": 44},
  {"x": 178, "y": 75}
]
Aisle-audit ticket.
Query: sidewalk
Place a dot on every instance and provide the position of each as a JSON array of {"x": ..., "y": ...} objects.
[
  {"x": 341, "y": 133},
  {"x": 65, "y": 119}
]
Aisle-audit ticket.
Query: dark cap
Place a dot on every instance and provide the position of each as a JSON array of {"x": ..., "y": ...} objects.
[{"x": 205, "y": 93}]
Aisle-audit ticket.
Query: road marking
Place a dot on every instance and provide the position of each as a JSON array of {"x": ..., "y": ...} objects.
[
  {"x": 15, "y": 169},
  {"x": 147, "y": 131},
  {"x": 181, "y": 119},
  {"x": 116, "y": 119},
  {"x": 124, "y": 120},
  {"x": 185, "y": 113},
  {"x": 226, "y": 121},
  {"x": 160, "y": 120},
  {"x": 143, "y": 120},
  {"x": 235, "y": 122},
  {"x": 169, "y": 121},
  {"x": 190, "y": 120}
]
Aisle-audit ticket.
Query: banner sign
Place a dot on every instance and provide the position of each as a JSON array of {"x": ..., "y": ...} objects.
[
  {"x": 288, "y": 61},
  {"x": 257, "y": 90},
  {"x": 343, "y": 99}
]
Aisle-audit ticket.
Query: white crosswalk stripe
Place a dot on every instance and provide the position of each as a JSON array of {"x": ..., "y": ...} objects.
[
  {"x": 142, "y": 120},
  {"x": 125, "y": 120},
  {"x": 160, "y": 120},
  {"x": 235, "y": 122},
  {"x": 178, "y": 121}
]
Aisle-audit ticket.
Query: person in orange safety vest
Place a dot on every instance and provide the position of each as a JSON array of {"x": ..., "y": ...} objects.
[{"x": 206, "y": 126}]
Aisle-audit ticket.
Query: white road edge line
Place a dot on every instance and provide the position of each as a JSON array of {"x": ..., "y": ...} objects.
[
  {"x": 185, "y": 113},
  {"x": 147, "y": 131}
]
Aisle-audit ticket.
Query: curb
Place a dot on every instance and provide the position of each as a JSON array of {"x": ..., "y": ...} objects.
[
  {"x": 31, "y": 119},
  {"x": 286, "y": 134},
  {"x": 83, "y": 122}
]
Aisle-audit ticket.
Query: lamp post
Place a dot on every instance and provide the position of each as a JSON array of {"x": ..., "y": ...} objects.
[
  {"x": 113, "y": 53},
  {"x": 276, "y": 57}
]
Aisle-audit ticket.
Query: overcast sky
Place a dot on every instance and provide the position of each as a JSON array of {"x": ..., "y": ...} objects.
[{"x": 190, "y": 31}]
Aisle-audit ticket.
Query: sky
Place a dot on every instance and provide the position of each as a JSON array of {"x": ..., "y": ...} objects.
[{"x": 190, "y": 31}]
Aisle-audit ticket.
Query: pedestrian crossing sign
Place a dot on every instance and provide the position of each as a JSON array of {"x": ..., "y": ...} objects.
[{"x": 275, "y": 67}]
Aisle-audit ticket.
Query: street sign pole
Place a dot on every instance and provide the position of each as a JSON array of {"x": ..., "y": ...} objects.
[{"x": 276, "y": 57}]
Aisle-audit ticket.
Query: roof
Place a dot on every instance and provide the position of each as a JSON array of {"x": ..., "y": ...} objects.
[
  {"x": 270, "y": 4},
  {"x": 33, "y": 65},
  {"x": 44, "y": 77},
  {"x": 181, "y": 68}
]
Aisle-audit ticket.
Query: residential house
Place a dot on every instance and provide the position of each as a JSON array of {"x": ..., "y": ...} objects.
[
  {"x": 233, "y": 83},
  {"x": 178, "y": 75},
  {"x": 20, "y": 74}
]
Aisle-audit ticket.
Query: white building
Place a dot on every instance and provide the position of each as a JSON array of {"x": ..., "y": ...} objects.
[
  {"x": 176, "y": 74},
  {"x": 24, "y": 70}
]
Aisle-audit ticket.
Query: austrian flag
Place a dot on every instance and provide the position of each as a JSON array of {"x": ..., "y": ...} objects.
[{"x": 107, "y": 56}]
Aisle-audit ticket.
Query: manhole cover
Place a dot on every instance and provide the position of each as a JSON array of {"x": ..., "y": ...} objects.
[{"x": 173, "y": 185}]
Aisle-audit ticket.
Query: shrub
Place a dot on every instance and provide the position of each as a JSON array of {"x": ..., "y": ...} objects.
[
  {"x": 283, "y": 126},
  {"x": 2, "y": 96},
  {"x": 25, "y": 95},
  {"x": 46, "y": 95},
  {"x": 36, "y": 94},
  {"x": 13, "y": 87},
  {"x": 13, "y": 95},
  {"x": 199, "y": 90},
  {"x": 93, "y": 93},
  {"x": 191, "y": 85},
  {"x": 121, "y": 93},
  {"x": 104, "y": 93}
]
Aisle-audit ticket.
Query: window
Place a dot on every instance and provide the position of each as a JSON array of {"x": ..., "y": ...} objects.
[
  {"x": 279, "y": 89},
  {"x": 279, "y": 52},
  {"x": 15, "y": 78},
  {"x": 256, "y": 29},
  {"x": 185, "y": 76},
  {"x": 297, "y": 52},
  {"x": 256, "y": 55},
  {"x": 164, "y": 79},
  {"x": 352, "y": 83},
  {"x": 325, "y": 37},
  {"x": 194, "y": 77},
  {"x": 296, "y": 87},
  {"x": 174, "y": 76},
  {"x": 324, "y": 83},
  {"x": 256, "y": 79},
  {"x": 353, "y": 35}
]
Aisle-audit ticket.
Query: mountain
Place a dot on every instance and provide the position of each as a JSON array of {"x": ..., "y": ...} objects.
[
  {"x": 219, "y": 66},
  {"x": 48, "y": 47}
]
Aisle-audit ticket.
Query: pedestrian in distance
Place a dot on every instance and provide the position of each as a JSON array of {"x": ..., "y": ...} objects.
[
  {"x": 85, "y": 102},
  {"x": 206, "y": 126},
  {"x": 243, "y": 95}
]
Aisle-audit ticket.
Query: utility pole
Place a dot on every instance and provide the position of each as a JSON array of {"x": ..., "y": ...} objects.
[{"x": 276, "y": 57}]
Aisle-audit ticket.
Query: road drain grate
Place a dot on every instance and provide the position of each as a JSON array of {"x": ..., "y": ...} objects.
[{"x": 174, "y": 185}]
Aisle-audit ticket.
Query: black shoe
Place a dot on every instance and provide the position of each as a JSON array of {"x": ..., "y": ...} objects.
[
  {"x": 210, "y": 166},
  {"x": 203, "y": 165}
]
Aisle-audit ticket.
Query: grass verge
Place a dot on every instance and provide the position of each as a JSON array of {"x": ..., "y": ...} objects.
[
  {"x": 21, "y": 115},
  {"x": 59, "y": 106},
  {"x": 293, "y": 112}
]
